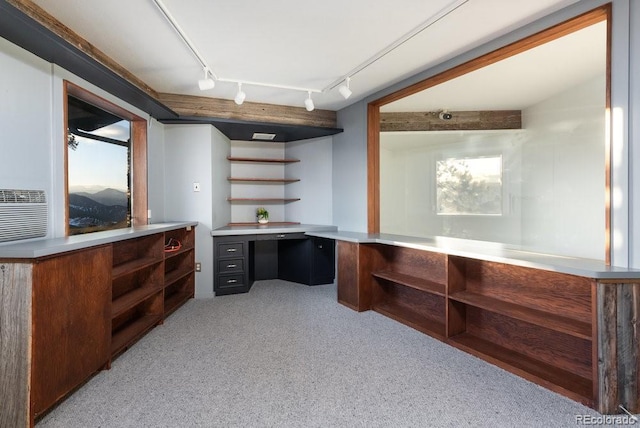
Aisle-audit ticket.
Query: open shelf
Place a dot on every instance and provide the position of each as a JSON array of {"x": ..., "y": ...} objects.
[
  {"x": 267, "y": 160},
  {"x": 264, "y": 200},
  {"x": 174, "y": 301},
  {"x": 411, "y": 281},
  {"x": 175, "y": 275},
  {"x": 554, "y": 322},
  {"x": 554, "y": 378},
  {"x": 271, "y": 223},
  {"x": 411, "y": 318},
  {"x": 131, "y": 299},
  {"x": 133, "y": 266},
  {"x": 264, "y": 180},
  {"x": 182, "y": 250},
  {"x": 132, "y": 331}
]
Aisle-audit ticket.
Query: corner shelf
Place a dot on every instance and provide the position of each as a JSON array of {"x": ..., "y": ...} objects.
[
  {"x": 261, "y": 160},
  {"x": 264, "y": 200},
  {"x": 263, "y": 180}
]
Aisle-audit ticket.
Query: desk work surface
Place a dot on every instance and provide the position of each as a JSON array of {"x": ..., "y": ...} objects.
[
  {"x": 490, "y": 251},
  {"x": 267, "y": 229}
]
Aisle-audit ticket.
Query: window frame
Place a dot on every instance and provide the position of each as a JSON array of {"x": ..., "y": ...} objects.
[{"x": 139, "y": 192}]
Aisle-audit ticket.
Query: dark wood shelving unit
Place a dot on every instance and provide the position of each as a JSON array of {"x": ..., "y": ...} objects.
[
  {"x": 574, "y": 386},
  {"x": 261, "y": 160},
  {"x": 179, "y": 267},
  {"x": 412, "y": 318},
  {"x": 552, "y": 321},
  {"x": 412, "y": 281},
  {"x": 132, "y": 266},
  {"x": 129, "y": 300},
  {"x": 124, "y": 337}
]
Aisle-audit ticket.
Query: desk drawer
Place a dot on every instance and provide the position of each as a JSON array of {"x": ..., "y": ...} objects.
[
  {"x": 280, "y": 236},
  {"x": 230, "y": 281},
  {"x": 231, "y": 249},
  {"x": 230, "y": 266}
]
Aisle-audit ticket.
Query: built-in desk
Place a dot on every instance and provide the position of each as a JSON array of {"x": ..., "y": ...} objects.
[
  {"x": 244, "y": 254},
  {"x": 568, "y": 324}
]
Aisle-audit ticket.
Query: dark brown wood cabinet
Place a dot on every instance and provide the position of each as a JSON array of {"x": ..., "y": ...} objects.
[
  {"x": 546, "y": 326},
  {"x": 71, "y": 323},
  {"x": 70, "y": 313}
]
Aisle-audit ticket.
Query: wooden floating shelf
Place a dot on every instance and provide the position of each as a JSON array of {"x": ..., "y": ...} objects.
[
  {"x": 272, "y": 200},
  {"x": 271, "y": 223},
  {"x": 554, "y": 322},
  {"x": 259, "y": 160},
  {"x": 263, "y": 180},
  {"x": 554, "y": 378},
  {"x": 412, "y": 282}
]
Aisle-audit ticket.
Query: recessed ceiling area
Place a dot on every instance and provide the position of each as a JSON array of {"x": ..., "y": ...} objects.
[{"x": 287, "y": 43}]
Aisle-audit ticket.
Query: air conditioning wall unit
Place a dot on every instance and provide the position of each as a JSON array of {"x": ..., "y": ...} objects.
[{"x": 23, "y": 214}]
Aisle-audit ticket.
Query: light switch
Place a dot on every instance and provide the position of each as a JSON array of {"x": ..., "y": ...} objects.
[{"x": 196, "y": 187}]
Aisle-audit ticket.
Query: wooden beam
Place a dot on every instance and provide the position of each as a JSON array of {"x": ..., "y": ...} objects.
[
  {"x": 193, "y": 106},
  {"x": 41, "y": 16},
  {"x": 460, "y": 121}
]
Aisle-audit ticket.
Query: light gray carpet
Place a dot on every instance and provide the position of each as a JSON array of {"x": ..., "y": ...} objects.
[{"x": 288, "y": 355}]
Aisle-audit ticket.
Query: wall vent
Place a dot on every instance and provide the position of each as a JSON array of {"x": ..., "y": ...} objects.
[{"x": 23, "y": 214}]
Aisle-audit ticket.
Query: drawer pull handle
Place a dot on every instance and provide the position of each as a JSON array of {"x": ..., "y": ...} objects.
[
  {"x": 320, "y": 246},
  {"x": 231, "y": 266},
  {"x": 281, "y": 236},
  {"x": 231, "y": 250},
  {"x": 232, "y": 281}
]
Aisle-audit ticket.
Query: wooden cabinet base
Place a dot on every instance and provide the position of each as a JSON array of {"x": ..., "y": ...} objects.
[{"x": 574, "y": 335}]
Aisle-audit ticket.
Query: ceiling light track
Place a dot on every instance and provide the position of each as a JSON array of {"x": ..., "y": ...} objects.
[{"x": 393, "y": 46}]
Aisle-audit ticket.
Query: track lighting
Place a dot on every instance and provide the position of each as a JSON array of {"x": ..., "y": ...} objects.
[
  {"x": 207, "y": 82},
  {"x": 308, "y": 103},
  {"x": 344, "y": 90},
  {"x": 240, "y": 96}
]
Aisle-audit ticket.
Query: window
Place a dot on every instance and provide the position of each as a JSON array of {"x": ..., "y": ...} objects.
[
  {"x": 105, "y": 164},
  {"x": 469, "y": 186}
]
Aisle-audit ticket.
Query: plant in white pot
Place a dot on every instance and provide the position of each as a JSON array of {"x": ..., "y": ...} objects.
[{"x": 263, "y": 215}]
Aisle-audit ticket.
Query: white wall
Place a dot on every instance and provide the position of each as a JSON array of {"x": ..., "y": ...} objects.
[
  {"x": 192, "y": 155},
  {"x": 26, "y": 138},
  {"x": 315, "y": 186},
  {"x": 563, "y": 179},
  {"x": 156, "y": 171}
]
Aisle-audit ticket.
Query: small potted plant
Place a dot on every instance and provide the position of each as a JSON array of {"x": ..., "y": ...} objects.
[{"x": 263, "y": 215}]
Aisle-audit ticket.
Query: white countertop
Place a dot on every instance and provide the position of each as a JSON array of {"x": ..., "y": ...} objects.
[
  {"x": 268, "y": 228},
  {"x": 490, "y": 251},
  {"x": 46, "y": 247}
]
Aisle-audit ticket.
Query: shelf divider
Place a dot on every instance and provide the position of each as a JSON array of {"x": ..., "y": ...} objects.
[
  {"x": 412, "y": 281},
  {"x": 258, "y": 160}
]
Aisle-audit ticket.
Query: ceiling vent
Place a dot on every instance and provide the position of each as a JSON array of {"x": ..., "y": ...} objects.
[
  {"x": 23, "y": 214},
  {"x": 262, "y": 136}
]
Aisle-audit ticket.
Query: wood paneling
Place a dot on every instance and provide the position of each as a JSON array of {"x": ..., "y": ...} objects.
[
  {"x": 139, "y": 195},
  {"x": 373, "y": 169},
  {"x": 71, "y": 322},
  {"x": 461, "y": 121},
  {"x": 46, "y": 20},
  {"x": 194, "y": 106},
  {"x": 15, "y": 350}
]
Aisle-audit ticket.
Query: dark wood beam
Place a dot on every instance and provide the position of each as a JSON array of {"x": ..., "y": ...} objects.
[
  {"x": 460, "y": 121},
  {"x": 193, "y": 106}
]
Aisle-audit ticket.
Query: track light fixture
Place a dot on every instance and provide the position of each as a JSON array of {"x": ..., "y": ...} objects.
[
  {"x": 207, "y": 82},
  {"x": 240, "y": 96},
  {"x": 344, "y": 90},
  {"x": 308, "y": 103}
]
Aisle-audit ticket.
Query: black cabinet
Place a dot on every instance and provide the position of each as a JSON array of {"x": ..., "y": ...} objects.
[
  {"x": 309, "y": 261},
  {"x": 233, "y": 270}
]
